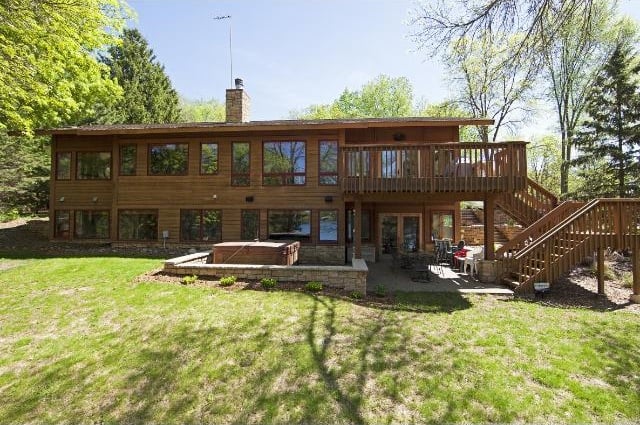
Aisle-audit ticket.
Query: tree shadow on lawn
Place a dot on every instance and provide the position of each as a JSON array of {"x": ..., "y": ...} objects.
[
  {"x": 184, "y": 374},
  {"x": 334, "y": 386}
]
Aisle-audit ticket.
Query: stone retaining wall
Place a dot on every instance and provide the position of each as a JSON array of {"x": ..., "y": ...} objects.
[{"x": 349, "y": 278}]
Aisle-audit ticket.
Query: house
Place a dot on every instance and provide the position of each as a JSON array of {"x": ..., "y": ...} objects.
[{"x": 343, "y": 188}]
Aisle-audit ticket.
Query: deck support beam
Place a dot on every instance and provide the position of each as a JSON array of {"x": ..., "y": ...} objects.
[
  {"x": 357, "y": 226},
  {"x": 600, "y": 255},
  {"x": 489, "y": 226}
]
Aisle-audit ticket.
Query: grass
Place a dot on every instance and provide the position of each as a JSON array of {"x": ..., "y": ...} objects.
[{"x": 80, "y": 339}]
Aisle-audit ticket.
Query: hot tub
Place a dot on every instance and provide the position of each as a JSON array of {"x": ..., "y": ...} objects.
[{"x": 272, "y": 253}]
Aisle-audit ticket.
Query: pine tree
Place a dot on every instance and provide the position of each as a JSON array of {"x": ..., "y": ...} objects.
[
  {"x": 148, "y": 94},
  {"x": 612, "y": 131}
]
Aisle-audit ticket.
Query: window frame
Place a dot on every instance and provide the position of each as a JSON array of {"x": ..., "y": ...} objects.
[
  {"x": 242, "y": 224},
  {"x": 79, "y": 153},
  {"x": 234, "y": 175},
  {"x": 75, "y": 224},
  {"x": 321, "y": 173},
  {"x": 217, "y": 145},
  {"x": 153, "y": 145},
  {"x": 154, "y": 210},
  {"x": 284, "y": 176},
  {"x": 325, "y": 241},
  {"x": 201, "y": 212},
  {"x": 308, "y": 238},
  {"x": 135, "y": 161},
  {"x": 58, "y": 154}
]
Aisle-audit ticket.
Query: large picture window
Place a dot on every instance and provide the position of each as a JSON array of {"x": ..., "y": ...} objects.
[
  {"x": 170, "y": 159},
  {"x": 63, "y": 166},
  {"x": 284, "y": 163},
  {"x": 93, "y": 165},
  {"x": 138, "y": 225},
  {"x": 240, "y": 160},
  {"x": 91, "y": 225},
  {"x": 328, "y": 226},
  {"x": 62, "y": 227},
  {"x": 442, "y": 225},
  {"x": 201, "y": 225},
  {"x": 250, "y": 225},
  {"x": 208, "y": 158},
  {"x": 290, "y": 225},
  {"x": 128, "y": 159},
  {"x": 328, "y": 168}
]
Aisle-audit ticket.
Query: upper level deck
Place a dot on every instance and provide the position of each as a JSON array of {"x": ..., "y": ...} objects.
[{"x": 433, "y": 167}]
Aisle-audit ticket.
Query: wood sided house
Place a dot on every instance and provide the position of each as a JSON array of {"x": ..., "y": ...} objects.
[{"x": 343, "y": 188}]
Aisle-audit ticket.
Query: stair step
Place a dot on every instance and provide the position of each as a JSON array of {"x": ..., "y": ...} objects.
[{"x": 511, "y": 283}]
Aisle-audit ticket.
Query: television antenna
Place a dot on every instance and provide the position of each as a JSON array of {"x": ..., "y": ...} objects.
[{"x": 221, "y": 18}]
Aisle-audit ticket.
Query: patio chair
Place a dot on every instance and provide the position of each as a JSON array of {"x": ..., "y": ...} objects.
[
  {"x": 448, "y": 251},
  {"x": 473, "y": 261}
]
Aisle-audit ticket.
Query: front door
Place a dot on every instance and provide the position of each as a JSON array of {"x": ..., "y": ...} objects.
[{"x": 399, "y": 231}]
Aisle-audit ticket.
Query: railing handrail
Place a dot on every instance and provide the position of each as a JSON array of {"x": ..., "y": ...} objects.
[
  {"x": 543, "y": 190},
  {"x": 536, "y": 226},
  {"x": 454, "y": 145}
]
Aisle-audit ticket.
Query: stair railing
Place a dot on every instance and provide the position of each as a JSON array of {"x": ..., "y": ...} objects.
[
  {"x": 528, "y": 205},
  {"x": 598, "y": 224},
  {"x": 537, "y": 229}
]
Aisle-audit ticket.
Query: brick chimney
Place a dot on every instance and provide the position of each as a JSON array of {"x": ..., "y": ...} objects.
[{"x": 238, "y": 103}]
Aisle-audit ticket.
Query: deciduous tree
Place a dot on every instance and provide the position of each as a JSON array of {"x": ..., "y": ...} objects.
[{"x": 49, "y": 74}]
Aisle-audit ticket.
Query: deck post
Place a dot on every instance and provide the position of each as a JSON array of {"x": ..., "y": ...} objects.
[
  {"x": 357, "y": 225},
  {"x": 600, "y": 255},
  {"x": 636, "y": 271},
  {"x": 489, "y": 227}
]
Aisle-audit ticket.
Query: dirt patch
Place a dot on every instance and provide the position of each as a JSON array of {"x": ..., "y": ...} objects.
[{"x": 580, "y": 289}]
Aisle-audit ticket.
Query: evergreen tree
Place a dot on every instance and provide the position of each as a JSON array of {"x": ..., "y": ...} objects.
[
  {"x": 148, "y": 94},
  {"x": 612, "y": 131}
]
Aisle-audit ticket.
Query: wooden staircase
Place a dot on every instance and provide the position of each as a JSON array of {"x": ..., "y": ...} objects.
[
  {"x": 565, "y": 236},
  {"x": 528, "y": 205}
]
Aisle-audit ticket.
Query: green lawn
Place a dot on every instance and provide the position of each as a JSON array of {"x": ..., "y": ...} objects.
[{"x": 81, "y": 341}]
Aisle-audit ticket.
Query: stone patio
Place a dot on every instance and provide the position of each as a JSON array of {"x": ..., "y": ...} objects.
[{"x": 443, "y": 279}]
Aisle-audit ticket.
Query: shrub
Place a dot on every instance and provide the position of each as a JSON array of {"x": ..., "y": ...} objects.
[
  {"x": 190, "y": 279},
  {"x": 355, "y": 295},
  {"x": 268, "y": 283},
  {"x": 381, "y": 291},
  {"x": 228, "y": 280},
  {"x": 627, "y": 279},
  {"x": 313, "y": 286}
]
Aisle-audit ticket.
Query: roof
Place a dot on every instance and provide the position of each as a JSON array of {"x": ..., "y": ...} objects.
[{"x": 202, "y": 127}]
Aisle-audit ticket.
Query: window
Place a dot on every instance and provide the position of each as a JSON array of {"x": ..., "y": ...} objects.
[
  {"x": 328, "y": 168},
  {"x": 138, "y": 225},
  {"x": 62, "y": 224},
  {"x": 170, "y": 159},
  {"x": 201, "y": 225},
  {"x": 292, "y": 225},
  {"x": 328, "y": 226},
  {"x": 93, "y": 165},
  {"x": 284, "y": 163},
  {"x": 128, "y": 159},
  {"x": 208, "y": 158},
  {"x": 442, "y": 225},
  {"x": 250, "y": 225},
  {"x": 365, "y": 232},
  {"x": 91, "y": 225},
  {"x": 240, "y": 156},
  {"x": 63, "y": 166}
]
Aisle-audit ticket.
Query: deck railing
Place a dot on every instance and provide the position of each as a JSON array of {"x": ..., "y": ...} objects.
[
  {"x": 529, "y": 204},
  {"x": 434, "y": 167},
  {"x": 600, "y": 223}
]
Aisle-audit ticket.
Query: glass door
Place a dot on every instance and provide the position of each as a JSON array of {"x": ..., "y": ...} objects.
[
  {"x": 389, "y": 233},
  {"x": 410, "y": 233}
]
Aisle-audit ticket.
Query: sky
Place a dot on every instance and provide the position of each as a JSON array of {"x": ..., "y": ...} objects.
[{"x": 291, "y": 53}]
